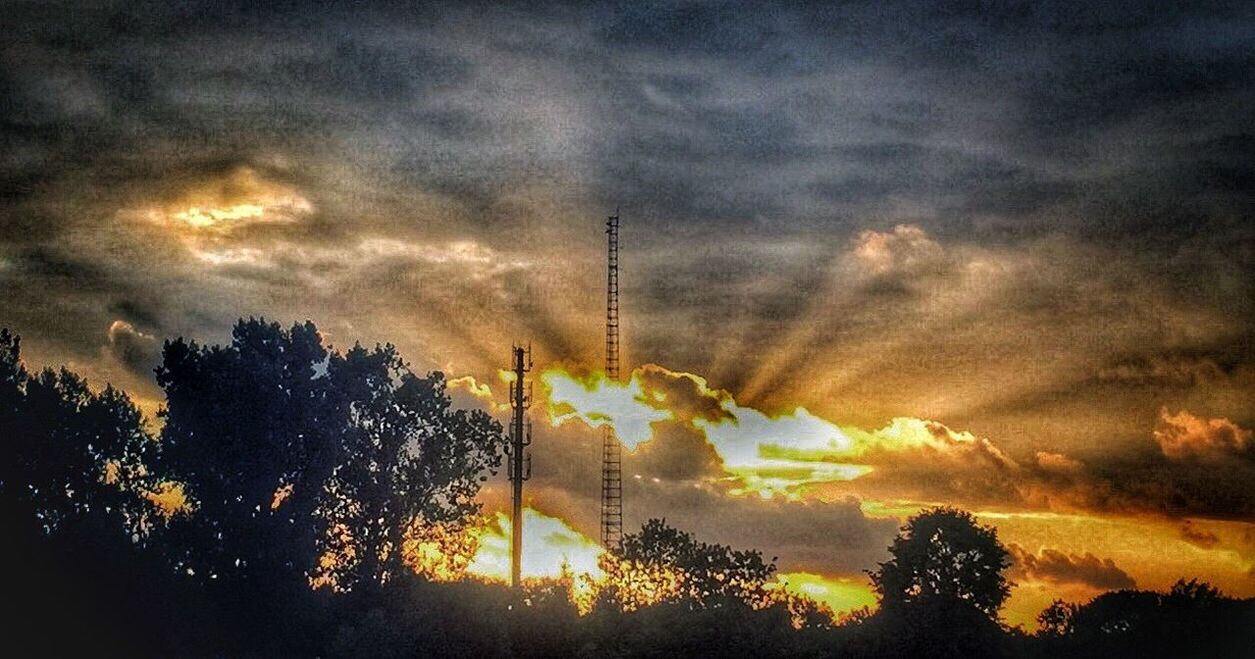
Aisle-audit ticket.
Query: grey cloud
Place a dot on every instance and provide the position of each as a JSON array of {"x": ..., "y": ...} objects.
[
  {"x": 1056, "y": 567},
  {"x": 132, "y": 348},
  {"x": 823, "y": 537}
]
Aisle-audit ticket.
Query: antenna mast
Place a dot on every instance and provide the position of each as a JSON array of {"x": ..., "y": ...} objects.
[
  {"x": 611, "y": 450},
  {"x": 519, "y": 464}
]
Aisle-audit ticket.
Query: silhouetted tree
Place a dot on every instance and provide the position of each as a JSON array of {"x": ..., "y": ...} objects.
[
  {"x": 244, "y": 424},
  {"x": 942, "y": 556},
  {"x": 1192, "y": 619},
  {"x": 15, "y": 442},
  {"x": 68, "y": 451},
  {"x": 1193, "y": 593},
  {"x": 1058, "y": 619},
  {"x": 12, "y": 380},
  {"x": 405, "y": 457},
  {"x": 303, "y": 461},
  {"x": 75, "y": 518},
  {"x": 661, "y": 563},
  {"x": 281, "y": 441}
]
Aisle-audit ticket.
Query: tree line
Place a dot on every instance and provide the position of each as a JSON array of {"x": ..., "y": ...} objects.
[{"x": 266, "y": 515}]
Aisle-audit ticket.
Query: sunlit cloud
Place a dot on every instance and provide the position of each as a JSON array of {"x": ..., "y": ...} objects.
[
  {"x": 481, "y": 393},
  {"x": 1185, "y": 436},
  {"x": 169, "y": 498},
  {"x": 241, "y": 198},
  {"x": 768, "y": 453},
  {"x": 1056, "y": 567},
  {"x": 1079, "y": 555},
  {"x": 1198, "y": 536},
  {"x": 598, "y": 401},
  {"x": 318, "y": 264},
  {"x": 207, "y": 217},
  {"x": 904, "y": 248}
]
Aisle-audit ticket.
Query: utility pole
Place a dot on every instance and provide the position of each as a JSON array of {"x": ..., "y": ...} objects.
[
  {"x": 611, "y": 450},
  {"x": 519, "y": 464}
]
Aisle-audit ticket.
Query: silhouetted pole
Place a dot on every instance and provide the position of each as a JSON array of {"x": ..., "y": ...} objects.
[
  {"x": 519, "y": 467},
  {"x": 611, "y": 451}
]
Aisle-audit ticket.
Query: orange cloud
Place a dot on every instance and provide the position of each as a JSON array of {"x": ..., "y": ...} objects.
[
  {"x": 169, "y": 498},
  {"x": 768, "y": 453},
  {"x": 1197, "y": 536},
  {"x": 1185, "y": 436},
  {"x": 906, "y": 247},
  {"x": 243, "y": 197},
  {"x": 798, "y": 454}
]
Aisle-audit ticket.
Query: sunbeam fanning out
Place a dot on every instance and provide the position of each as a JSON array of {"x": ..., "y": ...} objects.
[
  {"x": 768, "y": 454},
  {"x": 903, "y": 324}
]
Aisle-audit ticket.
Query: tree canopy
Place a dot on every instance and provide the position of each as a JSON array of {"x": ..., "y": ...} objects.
[
  {"x": 70, "y": 451},
  {"x": 305, "y": 461},
  {"x": 284, "y": 465},
  {"x": 943, "y": 557},
  {"x": 664, "y": 564}
]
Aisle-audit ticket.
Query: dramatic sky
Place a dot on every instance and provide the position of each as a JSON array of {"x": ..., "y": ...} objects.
[{"x": 876, "y": 255}]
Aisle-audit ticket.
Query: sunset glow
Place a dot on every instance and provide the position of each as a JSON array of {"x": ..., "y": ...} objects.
[
  {"x": 871, "y": 327},
  {"x": 801, "y": 456}
]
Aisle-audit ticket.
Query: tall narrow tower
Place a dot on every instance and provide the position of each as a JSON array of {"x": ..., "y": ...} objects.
[
  {"x": 519, "y": 466},
  {"x": 611, "y": 450}
]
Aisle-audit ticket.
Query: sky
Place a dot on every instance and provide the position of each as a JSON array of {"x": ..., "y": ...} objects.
[{"x": 875, "y": 255}]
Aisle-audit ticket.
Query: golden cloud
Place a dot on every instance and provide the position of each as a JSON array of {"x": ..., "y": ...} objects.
[
  {"x": 1185, "y": 436},
  {"x": 798, "y": 454},
  {"x": 241, "y": 198},
  {"x": 841, "y": 594},
  {"x": 1198, "y": 536},
  {"x": 768, "y": 453}
]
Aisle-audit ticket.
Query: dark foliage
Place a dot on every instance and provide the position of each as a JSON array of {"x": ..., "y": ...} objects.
[
  {"x": 709, "y": 573},
  {"x": 241, "y": 422},
  {"x": 277, "y": 439},
  {"x": 943, "y": 559},
  {"x": 1191, "y": 619},
  {"x": 290, "y": 451},
  {"x": 403, "y": 456},
  {"x": 68, "y": 451}
]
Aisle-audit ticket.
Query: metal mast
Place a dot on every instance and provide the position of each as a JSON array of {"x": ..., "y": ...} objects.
[
  {"x": 611, "y": 451},
  {"x": 519, "y": 464}
]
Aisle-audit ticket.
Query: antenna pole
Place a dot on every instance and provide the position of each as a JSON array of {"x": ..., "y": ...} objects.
[
  {"x": 611, "y": 450},
  {"x": 519, "y": 464}
]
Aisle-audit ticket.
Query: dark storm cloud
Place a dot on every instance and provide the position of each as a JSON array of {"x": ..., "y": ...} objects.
[
  {"x": 821, "y": 537},
  {"x": 132, "y": 348},
  {"x": 1060, "y": 73},
  {"x": 1045, "y": 79},
  {"x": 977, "y": 212},
  {"x": 1056, "y": 567}
]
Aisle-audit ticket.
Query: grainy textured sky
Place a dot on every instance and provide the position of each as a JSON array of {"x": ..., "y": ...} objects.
[{"x": 1030, "y": 222}]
